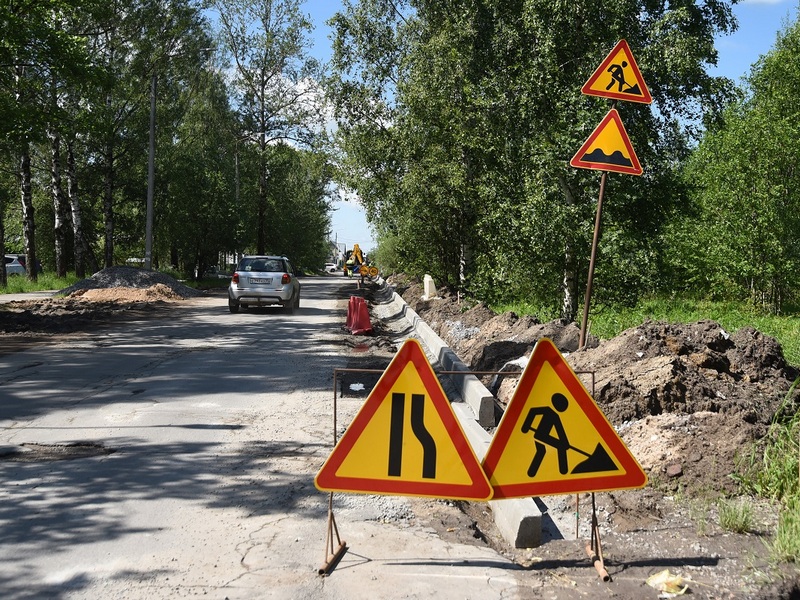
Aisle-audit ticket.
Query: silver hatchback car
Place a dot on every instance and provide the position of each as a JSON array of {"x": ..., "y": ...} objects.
[{"x": 264, "y": 281}]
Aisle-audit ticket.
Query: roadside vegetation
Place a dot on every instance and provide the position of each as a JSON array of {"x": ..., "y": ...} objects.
[
  {"x": 772, "y": 470},
  {"x": 607, "y": 321},
  {"x": 45, "y": 282},
  {"x": 237, "y": 168}
]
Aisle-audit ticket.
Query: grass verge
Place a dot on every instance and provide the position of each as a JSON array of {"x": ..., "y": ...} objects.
[
  {"x": 607, "y": 322},
  {"x": 776, "y": 474},
  {"x": 46, "y": 281}
]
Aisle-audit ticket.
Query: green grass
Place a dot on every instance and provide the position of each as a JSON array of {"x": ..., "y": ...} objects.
[
  {"x": 775, "y": 473},
  {"x": 786, "y": 544},
  {"x": 48, "y": 281},
  {"x": 18, "y": 284},
  {"x": 607, "y": 322},
  {"x": 735, "y": 515}
]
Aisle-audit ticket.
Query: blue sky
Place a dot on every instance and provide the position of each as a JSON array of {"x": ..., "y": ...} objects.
[{"x": 759, "y": 23}]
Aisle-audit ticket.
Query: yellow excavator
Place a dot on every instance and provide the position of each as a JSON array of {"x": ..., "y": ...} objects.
[{"x": 354, "y": 259}]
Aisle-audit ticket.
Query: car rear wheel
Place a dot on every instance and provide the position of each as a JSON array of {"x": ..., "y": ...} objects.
[
  {"x": 233, "y": 305},
  {"x": 289, "y": 306}
]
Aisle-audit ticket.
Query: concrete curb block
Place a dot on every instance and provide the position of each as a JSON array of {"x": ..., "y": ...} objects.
[
  {"x": 469, "y": 387},
  {"x": 519, "y": 520}
]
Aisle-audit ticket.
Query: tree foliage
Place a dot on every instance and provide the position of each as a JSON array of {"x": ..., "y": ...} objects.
[
  {"x": 459, "y": 119},
  {"x": 275, "y": 84},
  {"x": 76, "y": 80},
  {"x": 743, "y": 239}
]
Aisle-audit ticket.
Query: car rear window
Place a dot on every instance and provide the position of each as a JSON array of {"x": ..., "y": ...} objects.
[{"x": 261, "y": 265}]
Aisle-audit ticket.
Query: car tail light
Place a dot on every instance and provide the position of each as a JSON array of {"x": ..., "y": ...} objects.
[
  {"x": 286, "y": 279},
  {"x": 235, "y": 278},
  {"x": 21, "y": 260}
]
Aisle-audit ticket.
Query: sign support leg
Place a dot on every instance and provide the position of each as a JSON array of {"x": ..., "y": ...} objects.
[
  {"x": 595, "y": 549},
  {"x": 595, "y": 240},
  {"x": 332, "y": 554}
]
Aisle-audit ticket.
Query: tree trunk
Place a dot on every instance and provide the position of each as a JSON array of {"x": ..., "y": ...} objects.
[
  {"x": 569, "y": 305},
  {"x": 108, "y": 207},
  {"x": 59, "y": 203},
  {"x": 261, "y": 219},
  {"x": 75, "y": 212},
  {"x": 28, "y": 221},
  {"x": 569, "y": 284},
  {"x": 3, "y": 276}
]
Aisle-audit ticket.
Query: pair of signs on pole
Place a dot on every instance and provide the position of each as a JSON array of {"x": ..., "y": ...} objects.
[
  {"x": 608, "y": 148},
  {"x": 406, "y": 440}
]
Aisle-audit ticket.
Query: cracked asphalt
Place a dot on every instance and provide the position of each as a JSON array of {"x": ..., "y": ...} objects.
[{"x": 209, "y": 428}]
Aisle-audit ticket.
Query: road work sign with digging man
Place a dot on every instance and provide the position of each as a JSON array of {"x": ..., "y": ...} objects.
[{"x": 553, "y": 438}]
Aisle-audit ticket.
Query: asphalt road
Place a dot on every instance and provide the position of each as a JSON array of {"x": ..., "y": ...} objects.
[{"x": 195, "y": 442}]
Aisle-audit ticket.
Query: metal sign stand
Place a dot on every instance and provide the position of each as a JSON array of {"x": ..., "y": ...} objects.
[
  {"x": 595, "y": 549},
  {"x": 332, "y": 555},
  {"x": 335, "y": 550}
]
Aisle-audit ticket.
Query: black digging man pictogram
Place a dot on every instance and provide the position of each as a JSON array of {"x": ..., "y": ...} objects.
[
  {"x": 617, "y": 76},
  {"x": 543, "y": 435},
  {"x": 596, "y": 461}
]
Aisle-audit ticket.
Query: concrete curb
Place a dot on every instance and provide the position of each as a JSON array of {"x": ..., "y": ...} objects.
[
  {"x": 519, "y": 520},
  {"x": 469, "y": 387}
]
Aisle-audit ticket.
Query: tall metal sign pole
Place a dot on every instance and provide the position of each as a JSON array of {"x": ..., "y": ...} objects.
[{"x": 608, "y": 148}]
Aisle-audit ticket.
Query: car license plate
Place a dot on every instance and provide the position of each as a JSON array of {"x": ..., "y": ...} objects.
[{"x": 260, "y": 280}]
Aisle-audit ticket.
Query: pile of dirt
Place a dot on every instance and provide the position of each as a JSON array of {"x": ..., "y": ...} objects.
[
  {"x": 687, "y": 399},
  {"x": 131, "y": 278},
  {"x": 110, "y": 294}
]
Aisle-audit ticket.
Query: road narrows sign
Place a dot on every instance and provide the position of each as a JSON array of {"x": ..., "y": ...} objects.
[
  {"x": 406, "y": 440},
  {"x": 608, "y": 148},
  {"x": 553, "y": 438},
  {"x": 618, "y": 77}
]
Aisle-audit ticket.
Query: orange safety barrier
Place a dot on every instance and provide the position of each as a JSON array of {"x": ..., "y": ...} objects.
[{"x": 358, "y": 322}]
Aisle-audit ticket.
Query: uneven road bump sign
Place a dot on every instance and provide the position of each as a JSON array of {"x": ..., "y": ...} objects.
[
  {"x": 608, "y": 148},
  {"x": 553, "y": 439},
  {"x": 618, "y": 77},
  {"x": 406, "y": 440}
]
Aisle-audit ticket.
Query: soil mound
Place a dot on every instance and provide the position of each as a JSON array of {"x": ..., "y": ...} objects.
[
  {"x": 131, "y": 277},
  {"x": 688, "y": 399},
  {"x": 110, "y": 294}
]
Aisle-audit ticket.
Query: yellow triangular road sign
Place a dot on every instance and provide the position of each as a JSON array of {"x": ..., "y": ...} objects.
[
  {"x": 618, "y": 77},
  {"x": 406, "y": 440},
  {"x": 608, "y": 148},
  {"x": 553, "y": 438}
]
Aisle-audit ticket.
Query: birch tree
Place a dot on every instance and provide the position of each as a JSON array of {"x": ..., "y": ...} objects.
[{"x": 275, "y": 83}]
